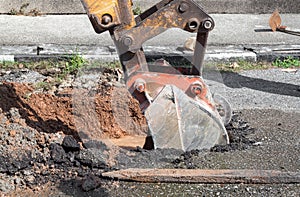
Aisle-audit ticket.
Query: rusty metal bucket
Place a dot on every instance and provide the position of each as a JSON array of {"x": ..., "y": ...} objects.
[{"x": 177, "y": 121}]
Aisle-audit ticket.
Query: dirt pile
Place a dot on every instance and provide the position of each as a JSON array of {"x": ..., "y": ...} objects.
[
  {"x": 33, "y": 160},
  {"x": 47, "y": 147},
  {"x": 25, "y": 152},
  {"x": 51, "y": 113},
  {"x": 41, "y": 139}
]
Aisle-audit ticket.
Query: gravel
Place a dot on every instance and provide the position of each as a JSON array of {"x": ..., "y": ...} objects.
[{"x": 21, "y": 76}]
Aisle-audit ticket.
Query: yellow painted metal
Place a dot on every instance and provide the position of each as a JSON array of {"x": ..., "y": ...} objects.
[
  {"x": 120, "y": 12},
  {"x": 99, "y": 8}
]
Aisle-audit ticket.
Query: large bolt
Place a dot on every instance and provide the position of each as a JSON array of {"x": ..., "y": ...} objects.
[
  {"x": 183, "y": 7},
  {"x": 140, "y": 85},
  {"x": 127, "y": 41},
  {"x": 193, "y": 24},
  {"x": 106, "y": 19},
  {"x": 208, "y": 24},
  {"x": 196, "y": 88}
]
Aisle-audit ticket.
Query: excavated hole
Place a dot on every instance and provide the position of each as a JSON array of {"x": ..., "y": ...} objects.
[{"x": 40, "y": 142}]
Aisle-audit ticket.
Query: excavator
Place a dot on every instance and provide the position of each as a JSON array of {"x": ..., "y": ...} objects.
[{"x": 180, "y": 110}]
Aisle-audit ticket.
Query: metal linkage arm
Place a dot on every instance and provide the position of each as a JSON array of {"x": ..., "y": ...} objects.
[
  {"x": 130, "y": 33},
  {"x": 183, "y": 14}
]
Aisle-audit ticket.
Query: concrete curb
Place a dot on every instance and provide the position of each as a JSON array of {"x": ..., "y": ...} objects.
[{"x": 229, "y": 53}]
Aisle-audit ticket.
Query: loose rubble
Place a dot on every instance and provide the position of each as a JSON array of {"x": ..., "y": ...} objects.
[{"x": 41, "y": 149}]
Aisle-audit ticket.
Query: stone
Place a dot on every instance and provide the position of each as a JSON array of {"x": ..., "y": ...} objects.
[
  {"x": 70, "y": 144},
  {"x": 6, "y": 186},
  {"x": 57, "y": 153},
  {"x": 90, "y": 183},
  {"x": 12, "y": 133},
  {"x": 92, "y": 157}
]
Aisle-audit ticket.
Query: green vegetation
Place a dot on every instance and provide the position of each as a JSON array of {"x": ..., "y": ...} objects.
[
  {"x": 35, "y": 65},
  {"x": 288, "y": 62},
  {"x": 234, "y": 66},
  {"x": 8, "y": 65},
  {"x": 69, "y": 65},
  {"x": 72, "y": 66},
  {"x": 60, "y": 68},
  {"x": 137, "y": 10},
  {"x": 57, "y": 69},
  {"x": 73, "y": 63}
]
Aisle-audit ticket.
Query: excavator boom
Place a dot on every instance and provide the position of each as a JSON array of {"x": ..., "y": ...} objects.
[{"x": 177, "y": 103}]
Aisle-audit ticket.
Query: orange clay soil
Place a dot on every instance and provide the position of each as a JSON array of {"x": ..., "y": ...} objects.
[{"x": 110, "y": 113}]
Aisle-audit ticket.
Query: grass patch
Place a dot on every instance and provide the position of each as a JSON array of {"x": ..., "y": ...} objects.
[
  {"x": 7, "y": 65},
  {"x": 113, "y": 65},
  {"x": 34, "y": 65},
  {"x": 59, "y": 69},
  {"x": 72, "y": 66},
  {"x": 69, "y": 65},
  {"x": 288, "y": 62}
]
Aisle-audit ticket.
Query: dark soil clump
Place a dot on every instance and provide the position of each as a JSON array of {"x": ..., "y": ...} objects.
[{"x": 239, "y": 132}]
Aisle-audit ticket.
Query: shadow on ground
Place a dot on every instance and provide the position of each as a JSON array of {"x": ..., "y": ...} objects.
[{"x": 236, "y": 80}]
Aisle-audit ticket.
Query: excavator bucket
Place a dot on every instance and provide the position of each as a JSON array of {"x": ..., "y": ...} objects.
[
  {"x": 178, "y": 106},
  {"x": 177, "y": 121}
]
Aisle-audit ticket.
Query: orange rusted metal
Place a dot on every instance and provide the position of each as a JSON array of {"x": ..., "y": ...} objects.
[{"x": 152, "y": 83}]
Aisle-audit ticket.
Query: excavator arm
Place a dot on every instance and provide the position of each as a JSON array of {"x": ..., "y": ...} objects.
[{"x": 177, "y": 103}]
